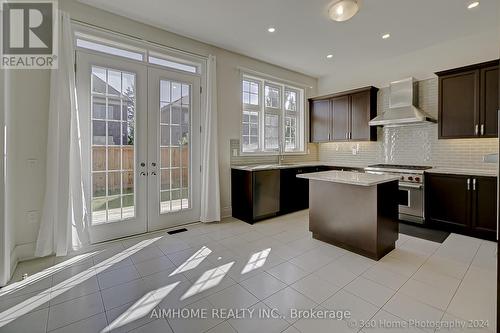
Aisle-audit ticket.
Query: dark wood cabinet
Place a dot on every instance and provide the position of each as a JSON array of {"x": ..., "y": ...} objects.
[
  {"x": 489, "y": 101},
  {"x": 447, "y": 201},
  {"x": 320, "y": 118},
  {"x": 362, "y": 105},
  {"x": 348, "y": 116},
  {"x": 462, "y": 204},
  {"x": 294, "y": 194},
  {"x": 468, "y": 101},
  {"x": 340, "y": 117},
  {"x": 484, "y": 221},
  {"x": 260, "y": 194}
]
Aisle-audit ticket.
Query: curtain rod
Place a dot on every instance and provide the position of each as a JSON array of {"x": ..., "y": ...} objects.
[
  {"x": 272, "y": 77},
  {"x": 204, "y": 57}
]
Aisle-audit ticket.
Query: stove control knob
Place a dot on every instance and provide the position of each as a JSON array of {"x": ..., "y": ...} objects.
[
  {"x": 417, "y": 179},
  {"x": 410, "y": 178},
  {"x": 402, "y": 177}
]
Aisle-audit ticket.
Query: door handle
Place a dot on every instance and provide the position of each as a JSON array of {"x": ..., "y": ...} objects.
[
  {"x": 468, "y": 184},
  {"x": 143, "y": 173},
  {"x": 153, "y": 173},
  {"x": 482, "y": 129},
  {"x": 474, "y": 184}
]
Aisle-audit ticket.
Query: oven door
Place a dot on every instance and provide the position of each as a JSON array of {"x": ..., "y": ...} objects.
[{"x": 411, "y": 202}]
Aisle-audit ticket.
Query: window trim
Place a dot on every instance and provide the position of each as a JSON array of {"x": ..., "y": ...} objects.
[
  {"x": 301, "y": 111},
  {"x": 130, "y": 44}
]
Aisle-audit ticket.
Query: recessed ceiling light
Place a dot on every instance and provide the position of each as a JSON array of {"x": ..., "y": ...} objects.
[
  {"x": 473, "y": 5},
  {"x": 330, "y": 56},
  {"x": 385, "y": 36},
  {"x": 271, "y": 29},
  {"x": 343, "y": 10}
]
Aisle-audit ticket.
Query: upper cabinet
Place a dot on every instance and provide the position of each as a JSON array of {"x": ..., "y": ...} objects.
[
  {"x": 344, "y": 116},
  {"x": 320, "y": 117},
  {"x": 468, "y": 101}
]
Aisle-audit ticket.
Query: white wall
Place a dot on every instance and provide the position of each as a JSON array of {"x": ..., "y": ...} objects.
[
  {"x": 421, "y": 64},
  {"x": 30, "y": 100},
  {"x": 4, "y": 228}
]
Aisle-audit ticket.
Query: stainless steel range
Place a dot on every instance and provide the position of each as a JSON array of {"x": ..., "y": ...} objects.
[{"x": 411, "y": 188}]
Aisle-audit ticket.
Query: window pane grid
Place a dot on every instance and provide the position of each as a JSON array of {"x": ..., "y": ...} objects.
[
  {"x": 271, "y": 132},
  {"x": 290, "y": 133},
  {"x": 250, "y": 92},
  {"x": 278, "y": 119},
  {"x": 175, "y": 100},
  {"x": 250, "y": 133},
  {"x": 113, "y": 156}
]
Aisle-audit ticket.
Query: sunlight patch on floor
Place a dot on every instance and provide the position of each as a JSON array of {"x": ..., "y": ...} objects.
[
  {"x": 193, "y": 261},
  {"x": 207, "y": 280},
  {"x": 257, "y": 260}
]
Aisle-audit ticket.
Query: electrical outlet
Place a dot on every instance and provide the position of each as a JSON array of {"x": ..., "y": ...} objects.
[
  {"x": 32, "y": 217},
  {"x": 32, "y": 163}
]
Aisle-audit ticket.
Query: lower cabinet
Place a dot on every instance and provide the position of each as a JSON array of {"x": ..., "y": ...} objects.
[
  {"x": 261, "y": 194},
  {"x": 462, "y": 204}
]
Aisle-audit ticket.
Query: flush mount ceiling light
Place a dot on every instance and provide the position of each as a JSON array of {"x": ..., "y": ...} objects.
[
  {"x": 330, "y": 56},
  {"x": 385, "y": 36},
  {"x": 343, "y": 10},
  {"x": 473, "y": 5},
  {"x": 271, "y": 29}
]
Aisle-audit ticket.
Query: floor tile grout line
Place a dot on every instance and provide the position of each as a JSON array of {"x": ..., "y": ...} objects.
[
  {"x": 409, "y": 278},
  {"x": 309, "y": 273},
  {"x": 77, "y": 321},
  {"x": 461, "y": 281}
]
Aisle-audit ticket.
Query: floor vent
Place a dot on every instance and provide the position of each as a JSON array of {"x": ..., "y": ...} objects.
[{"x": 176, "y": 231}]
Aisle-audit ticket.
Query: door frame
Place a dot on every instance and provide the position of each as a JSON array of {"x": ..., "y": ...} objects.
[{"x": 85, "y": 61}]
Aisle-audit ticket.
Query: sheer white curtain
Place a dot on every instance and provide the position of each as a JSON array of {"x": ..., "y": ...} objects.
[
  {"x": 210, "y": 193},
  {"x": 64, "y": 220}
]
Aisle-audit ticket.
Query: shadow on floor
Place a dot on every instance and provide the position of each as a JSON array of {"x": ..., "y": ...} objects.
[{"x": 422, "y": 232}]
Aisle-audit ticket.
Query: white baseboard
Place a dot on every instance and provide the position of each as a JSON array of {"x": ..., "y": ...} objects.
[
  {"x": 24, "y": 252},
  {"x": 226, "y": 212},
  {"x": 13, "y": 262}
]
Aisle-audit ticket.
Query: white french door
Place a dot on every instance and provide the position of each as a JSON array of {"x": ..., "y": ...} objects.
[
  {"x": 173, "y": 149},
  {"x": 141, "y": 154}
]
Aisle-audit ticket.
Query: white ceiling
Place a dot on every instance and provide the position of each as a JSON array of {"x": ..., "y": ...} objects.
[{"x": 305, "y": 35}]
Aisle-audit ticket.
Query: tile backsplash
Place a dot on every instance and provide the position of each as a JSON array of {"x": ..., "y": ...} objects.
[
  {"x": 416, "y": 144},
  {"x": 311, "y": 156}
]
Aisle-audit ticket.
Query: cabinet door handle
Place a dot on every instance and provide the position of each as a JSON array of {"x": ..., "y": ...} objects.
[
  {"x": 476, "y": 130},
  {"x": 482, "y": 129},
  {"x": 468, "y": 184},
  {"x": 474, "y": 184}
]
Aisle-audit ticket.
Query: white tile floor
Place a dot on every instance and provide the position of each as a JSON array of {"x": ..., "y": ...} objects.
[{"x": 272, "y": 266}]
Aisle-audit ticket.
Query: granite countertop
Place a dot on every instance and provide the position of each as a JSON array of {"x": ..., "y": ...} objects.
[
  {"x": 256, "y": 167},
  {"x": 347, "y": 177},
  {"x": 466, "y": 172}
]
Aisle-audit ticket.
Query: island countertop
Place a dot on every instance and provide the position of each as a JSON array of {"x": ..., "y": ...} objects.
[{"x": 347, "y": 177}]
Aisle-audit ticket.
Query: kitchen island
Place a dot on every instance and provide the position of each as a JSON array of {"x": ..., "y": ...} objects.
[{"x": 355, "y": 211}]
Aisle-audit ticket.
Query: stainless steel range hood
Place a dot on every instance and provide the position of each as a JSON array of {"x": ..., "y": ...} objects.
[{"x": 402, "y": 110}]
